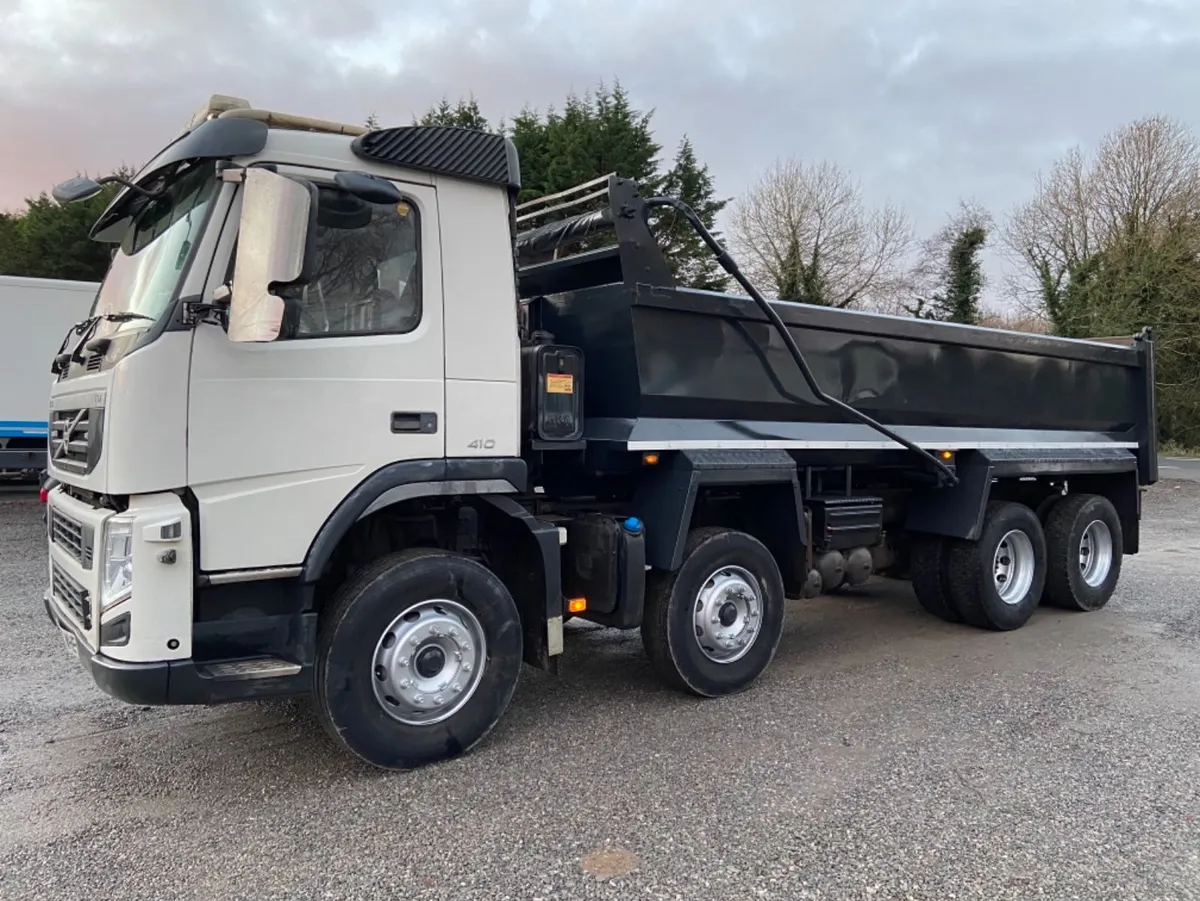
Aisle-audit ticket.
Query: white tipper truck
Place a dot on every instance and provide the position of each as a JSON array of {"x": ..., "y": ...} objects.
[
  {"x": 324, "y": 433},
  {"x": 36, "y": 314}
]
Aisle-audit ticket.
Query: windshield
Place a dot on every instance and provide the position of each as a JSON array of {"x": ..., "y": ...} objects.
[{"x": 148, "y": 264}]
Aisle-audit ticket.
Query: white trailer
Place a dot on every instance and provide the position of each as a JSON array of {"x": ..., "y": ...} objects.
[{"x": 36, "y": 314}]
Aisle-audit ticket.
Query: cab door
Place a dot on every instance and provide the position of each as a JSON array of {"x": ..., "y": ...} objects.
[{"x": 280, "y": 432}]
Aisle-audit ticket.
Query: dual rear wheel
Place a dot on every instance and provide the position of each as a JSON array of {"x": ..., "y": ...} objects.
[{"x": 996, "y": 582}]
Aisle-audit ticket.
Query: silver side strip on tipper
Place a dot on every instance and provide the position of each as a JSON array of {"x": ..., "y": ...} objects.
[{"x": 787, "y": 444}]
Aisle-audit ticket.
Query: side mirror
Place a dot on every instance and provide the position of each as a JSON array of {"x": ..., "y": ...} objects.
[
  {"x": 75, "y": 189},
  {"x": 274, "y": 249},
  {"x": 370, "y": 188}
]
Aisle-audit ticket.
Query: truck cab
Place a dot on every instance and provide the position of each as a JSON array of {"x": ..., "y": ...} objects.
[{"x": 290, "y": 309}]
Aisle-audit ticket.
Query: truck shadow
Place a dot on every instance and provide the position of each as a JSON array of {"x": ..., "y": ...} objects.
[{"x": 606, "y": 687}]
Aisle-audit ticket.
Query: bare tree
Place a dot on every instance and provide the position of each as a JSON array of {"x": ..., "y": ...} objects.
[
  {"x": 1143, "y": 177},
  {"x": 1050, "y": 235},
  {"x": 1110, "y": 244},
  {"x": 805, "y": 233},
  {"x": 1146, "y": 176}
]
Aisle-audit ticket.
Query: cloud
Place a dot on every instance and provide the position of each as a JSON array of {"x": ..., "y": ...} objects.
[{"x": 925, "y": 101}]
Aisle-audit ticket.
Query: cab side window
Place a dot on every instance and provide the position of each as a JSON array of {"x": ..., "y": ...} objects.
[{"x": 368, "y": 271}]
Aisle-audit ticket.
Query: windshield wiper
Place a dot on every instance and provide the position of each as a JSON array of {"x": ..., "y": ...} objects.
[
  {"x": 124, "y": 317},
  {"x": 85, "y": 330}
]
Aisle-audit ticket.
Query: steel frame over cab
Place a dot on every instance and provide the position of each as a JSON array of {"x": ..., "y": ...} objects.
[{"x": 668, "y": 460}]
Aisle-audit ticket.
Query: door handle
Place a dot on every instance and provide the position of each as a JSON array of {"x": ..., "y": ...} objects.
[{"x": 422, "y": 423}]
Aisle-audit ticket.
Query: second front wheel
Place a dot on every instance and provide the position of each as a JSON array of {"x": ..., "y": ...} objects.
[{"x": 712, "y": 627}]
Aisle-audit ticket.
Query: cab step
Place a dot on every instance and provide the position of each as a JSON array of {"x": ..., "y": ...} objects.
[{"x": 254, "y": 668}]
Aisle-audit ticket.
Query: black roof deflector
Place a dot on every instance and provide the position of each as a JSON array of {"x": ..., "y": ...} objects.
[
  {"x": 212, "y": 140},
  {"x": 444, "y": 150}
]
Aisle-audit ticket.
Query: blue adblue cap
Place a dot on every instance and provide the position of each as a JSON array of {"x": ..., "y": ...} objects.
[{"x": 633, "y": 524}]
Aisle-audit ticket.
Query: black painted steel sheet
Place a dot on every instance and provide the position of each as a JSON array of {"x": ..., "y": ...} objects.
[{"x": 681, "y": 354}]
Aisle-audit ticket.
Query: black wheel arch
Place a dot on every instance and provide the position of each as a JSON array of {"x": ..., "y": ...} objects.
[
  {"x": 404, "y": 480},
  {"x": 995, "y": 474},
  {"x": 524, "y": 551},
  {"x": 669, "y": 496}
]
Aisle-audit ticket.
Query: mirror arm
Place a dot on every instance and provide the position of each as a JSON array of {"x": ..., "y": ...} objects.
[
  {"x": 117, "y": 179},
  {"x": 234, "y": 174},
  {"x": 214, "y": 313}
]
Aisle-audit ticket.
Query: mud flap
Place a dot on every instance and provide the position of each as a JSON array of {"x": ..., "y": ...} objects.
[{"x": 524, "y": 552}]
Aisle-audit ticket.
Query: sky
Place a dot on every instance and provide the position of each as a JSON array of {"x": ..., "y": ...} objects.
[{"x": 924, "y": 102}]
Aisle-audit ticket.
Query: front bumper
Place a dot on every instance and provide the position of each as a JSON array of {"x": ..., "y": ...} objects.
[
  {"x": 142, "y": 649},
  {"x": 134, "y": 683},
  {"x": 151, "y": 625},
  {"x": 171, "y": 682}
]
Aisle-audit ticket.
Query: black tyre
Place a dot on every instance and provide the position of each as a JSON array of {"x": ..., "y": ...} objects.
[
  {"x": 1084, "y": 544},
  {"x": 712, "y": 627},
  {"x": 996, "y": 582},
  {"x": 930, "y": 579},
  {"x": 417, "y": 658}
]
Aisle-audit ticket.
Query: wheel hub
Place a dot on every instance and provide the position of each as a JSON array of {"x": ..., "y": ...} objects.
[
  {"x": 428, "y": 662},
  {"x": 1095, "y": 553},
  {"x": 1013, "y": 567},
  {"x": 728, "y": 614}
]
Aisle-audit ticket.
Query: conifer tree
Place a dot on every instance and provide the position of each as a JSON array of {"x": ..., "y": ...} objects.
[{"x": 692, "y": 263}]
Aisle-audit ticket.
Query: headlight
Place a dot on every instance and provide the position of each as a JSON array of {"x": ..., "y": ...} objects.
[{"x": 118, "y": 562}]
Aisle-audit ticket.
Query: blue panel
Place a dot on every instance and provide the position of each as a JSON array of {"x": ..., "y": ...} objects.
[{"x": 23, "y": 428}]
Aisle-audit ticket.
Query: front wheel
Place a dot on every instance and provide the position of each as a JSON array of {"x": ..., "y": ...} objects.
[
  {"x": 712, "y": 627},
  {"x": 417, "y": 658}
]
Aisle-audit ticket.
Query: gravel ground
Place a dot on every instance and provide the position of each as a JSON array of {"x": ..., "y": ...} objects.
[{"x": 885, "y": 755}]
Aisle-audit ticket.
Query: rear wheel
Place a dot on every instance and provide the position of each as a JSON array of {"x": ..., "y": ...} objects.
[
  {"x": 1084, "y": 544},
  {"x": 712, "y": 627},
  {"x": 928, "y": 572},
  {"x": 996, "y": 581},
  {"x": 417, "y": 658}
]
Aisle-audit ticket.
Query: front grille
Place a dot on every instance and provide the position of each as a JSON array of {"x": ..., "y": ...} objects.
[
  {"x": 72, "y": 537},
  {"x": 70, "y": 439},
  {"x": 71, "y": 593}
]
